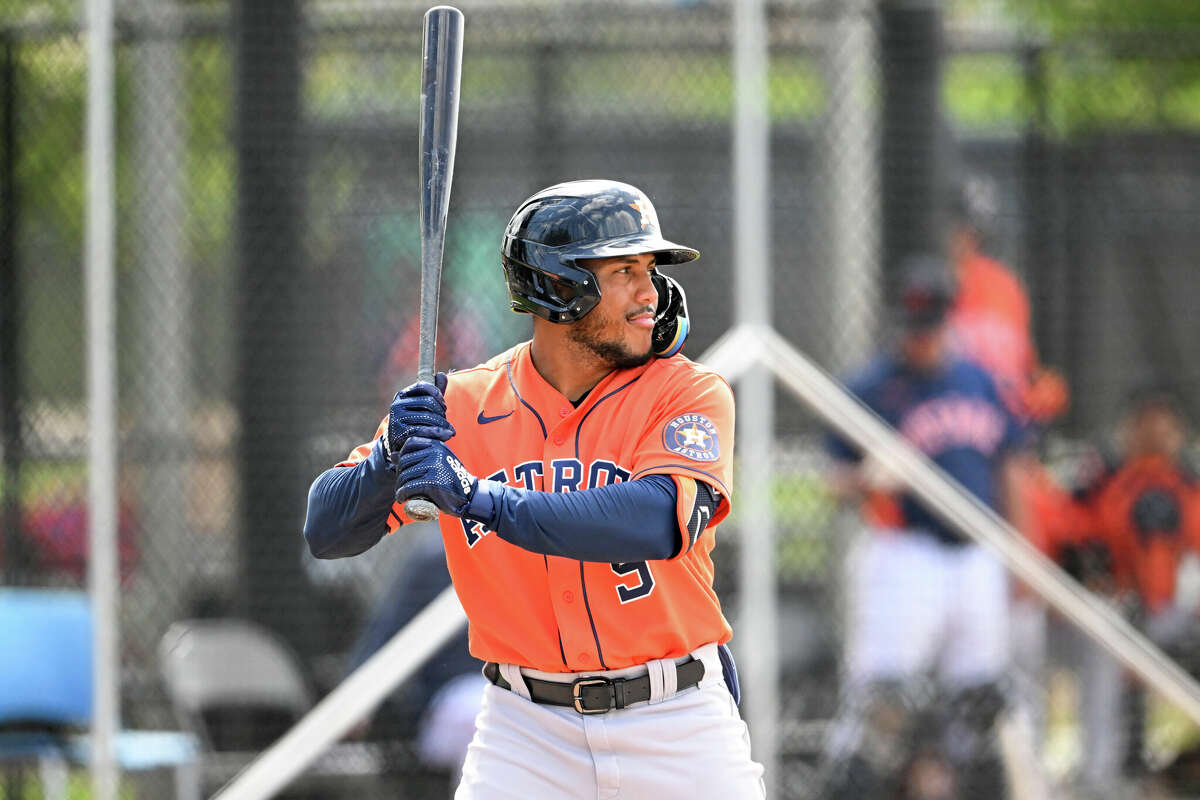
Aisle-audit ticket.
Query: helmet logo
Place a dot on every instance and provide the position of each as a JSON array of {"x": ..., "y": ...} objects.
[{"x": 645, "y": 218}]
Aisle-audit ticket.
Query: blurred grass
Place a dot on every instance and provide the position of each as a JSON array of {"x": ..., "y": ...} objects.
[
  {"x": 803, "y": 512},
  {"x": 43, "y": 480},
  {"x": 79, "y": 787}
]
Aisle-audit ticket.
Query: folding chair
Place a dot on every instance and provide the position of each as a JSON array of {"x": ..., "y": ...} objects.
[
  {"x": 237, "y": 687},
  {"x": 46, "y": 698}
]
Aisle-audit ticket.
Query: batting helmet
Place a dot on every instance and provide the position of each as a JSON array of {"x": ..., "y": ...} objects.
[
  {"x": 555, "y": 229},
  {"x": 975, "y": 204},
  {"x": 927, "y": 291}
]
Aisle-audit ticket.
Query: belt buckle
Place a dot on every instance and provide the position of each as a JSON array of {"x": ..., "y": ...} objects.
[{"x": 577, "y": 694}]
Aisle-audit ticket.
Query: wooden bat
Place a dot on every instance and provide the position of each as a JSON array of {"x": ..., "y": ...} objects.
[{"x": 441, "y": 71}]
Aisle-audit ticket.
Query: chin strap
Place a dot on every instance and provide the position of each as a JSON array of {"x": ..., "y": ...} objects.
[{"x": 671, "y": 325}]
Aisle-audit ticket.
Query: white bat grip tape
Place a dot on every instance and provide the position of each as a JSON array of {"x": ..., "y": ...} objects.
[{"x": 419, "y": 509}]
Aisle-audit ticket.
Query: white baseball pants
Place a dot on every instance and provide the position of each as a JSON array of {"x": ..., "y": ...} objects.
[
  {"x": 691, "y": 744},
  {"x": 917, "y": 604}
]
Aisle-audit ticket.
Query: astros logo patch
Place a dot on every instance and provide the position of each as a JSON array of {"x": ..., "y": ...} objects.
[{"x": 692, "y": 436}]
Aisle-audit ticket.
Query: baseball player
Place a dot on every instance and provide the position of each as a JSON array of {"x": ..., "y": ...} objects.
[
  {"x": 1138, "y": 504},
  {"x": 581, "y": 476},
  {"x": 924, "y": 601},
  {"x": 991, "y": 319}
]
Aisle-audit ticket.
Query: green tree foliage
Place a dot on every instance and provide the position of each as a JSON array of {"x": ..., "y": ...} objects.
[
  {"x": 13, "y": 11},
  {"x": 1113, "y": 65},
  {"x": 1111, "y": 17}
]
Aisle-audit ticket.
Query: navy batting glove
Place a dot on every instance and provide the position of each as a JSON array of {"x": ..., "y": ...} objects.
[
  {"x": 418, "y": 410},
  {"x": 430, "y": 469}
]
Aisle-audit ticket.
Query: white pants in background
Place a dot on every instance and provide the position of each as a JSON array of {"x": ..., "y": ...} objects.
[
  {"x": 1103, "y": 685},
  {"x": 448, "y": 724},
  {"x": 692, "y": 744},
  {"x": 917, "y": 604},
  {"x": 1101, "y": 691}
]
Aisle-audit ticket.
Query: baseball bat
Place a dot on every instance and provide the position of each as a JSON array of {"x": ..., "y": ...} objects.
[{"x": 441, "y": 71}]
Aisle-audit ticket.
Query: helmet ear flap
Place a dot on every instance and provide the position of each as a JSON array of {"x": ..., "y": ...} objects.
[{"x": 671, "y": 326}]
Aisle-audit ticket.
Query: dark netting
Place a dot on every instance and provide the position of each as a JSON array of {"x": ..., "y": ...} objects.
[{"x": 268, "y": 270}]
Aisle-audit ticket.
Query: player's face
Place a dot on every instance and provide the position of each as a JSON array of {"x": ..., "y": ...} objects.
[
  {"x": 924, "y": 348},
  {"x": 618, "y": 329},
  {"x": 1156, "y": 429}
]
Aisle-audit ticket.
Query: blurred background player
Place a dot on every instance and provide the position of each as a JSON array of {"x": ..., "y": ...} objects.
[
  {"x": 1135, "y": 522},
  {"x": 927, "y": 638},
  {"x": 991, "y": 318}
]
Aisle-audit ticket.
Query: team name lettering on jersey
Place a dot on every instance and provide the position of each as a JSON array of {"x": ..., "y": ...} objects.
[
  {"x": 602, "y": 473},
  {"x": 568, "y": 476},
  {"x": 527, "y": 475},
  {"x": 944, "y": 423},
  {"x": 474, "y": 531}
]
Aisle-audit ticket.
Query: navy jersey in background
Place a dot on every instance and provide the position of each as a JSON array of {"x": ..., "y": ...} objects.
[{"x": 954, "y": 415}]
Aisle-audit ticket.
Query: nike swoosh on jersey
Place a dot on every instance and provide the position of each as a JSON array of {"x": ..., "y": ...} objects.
[{"x": 484, "y": 420}]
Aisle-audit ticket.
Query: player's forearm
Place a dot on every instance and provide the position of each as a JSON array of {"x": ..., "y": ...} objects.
[
  {"x": 348, "y": 507},
  {"x": 630, "y": 521}
]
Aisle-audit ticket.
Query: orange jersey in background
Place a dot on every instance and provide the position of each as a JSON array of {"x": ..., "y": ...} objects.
[
  {"x": 991, "y": 324},
  {"x": 991, "y": 321},
  {"x": 1051, "y": 520},
  {"x": 1147, "y": 561},
  {"x": 671, "y": 417}
]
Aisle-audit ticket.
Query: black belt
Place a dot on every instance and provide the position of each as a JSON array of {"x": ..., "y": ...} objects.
[{"x": 594, "y": 694}]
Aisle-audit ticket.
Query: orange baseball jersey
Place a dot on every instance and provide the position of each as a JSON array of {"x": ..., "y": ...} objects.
[
  {"x": 991, "y": 321},
  {"x": 1148, "y": 512},
  {"x": 670, "y": 417}
]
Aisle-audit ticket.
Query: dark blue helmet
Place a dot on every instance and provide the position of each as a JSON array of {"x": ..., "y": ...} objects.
[{"x": 558, "y": 227}]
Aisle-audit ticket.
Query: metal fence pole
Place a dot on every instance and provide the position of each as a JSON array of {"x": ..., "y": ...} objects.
[
  {"x": 758, "y": 615},
  {"x": 851, "y": 187},
  {"x": 164, "y": 393},
  {"x": 100, "y": 267}
]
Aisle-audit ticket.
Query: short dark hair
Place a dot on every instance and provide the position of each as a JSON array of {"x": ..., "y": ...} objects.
[{"x": 1153, "y": 395}]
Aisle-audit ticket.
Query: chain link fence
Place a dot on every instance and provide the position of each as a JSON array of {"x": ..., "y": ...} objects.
[{"x": 268, "y": 259}]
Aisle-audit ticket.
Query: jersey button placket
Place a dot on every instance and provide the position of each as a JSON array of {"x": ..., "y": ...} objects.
[{"x": 560, "y": 436}]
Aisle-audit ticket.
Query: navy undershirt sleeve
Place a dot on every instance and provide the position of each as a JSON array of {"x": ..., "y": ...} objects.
[
  {"x": 348, "y": 506},
  {"x": 628, "y": 521}
]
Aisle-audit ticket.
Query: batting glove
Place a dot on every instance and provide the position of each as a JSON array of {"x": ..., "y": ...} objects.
[
  {"x": 418, "y": 410},
  {"x": 430, "y": 469}
]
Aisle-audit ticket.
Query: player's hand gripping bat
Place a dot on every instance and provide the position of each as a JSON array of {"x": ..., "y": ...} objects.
[{"x": 441, "y": 70}]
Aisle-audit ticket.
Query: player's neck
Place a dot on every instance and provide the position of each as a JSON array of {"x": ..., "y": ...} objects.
[{"x": 570, "y": 372}]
